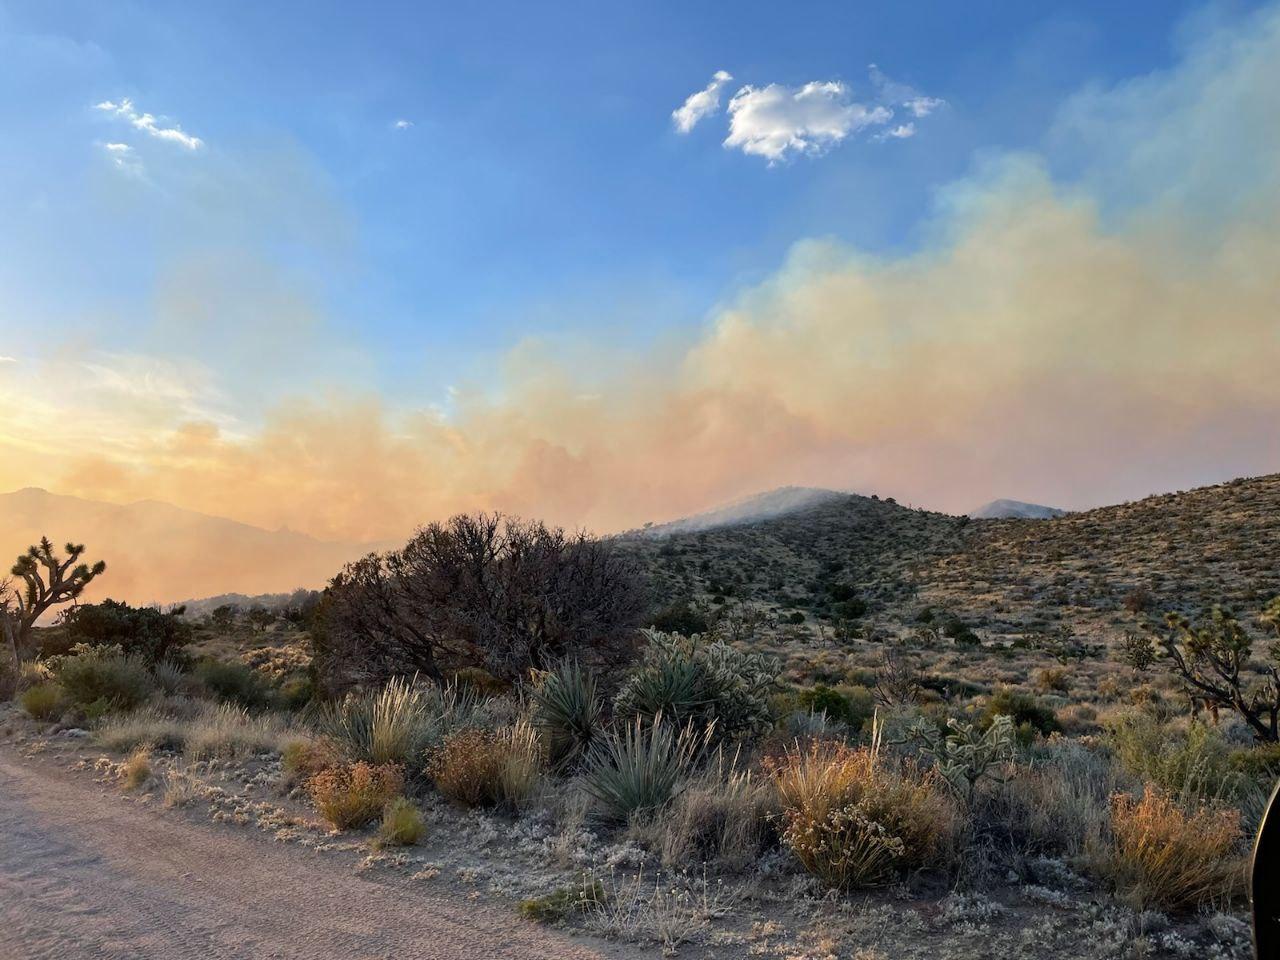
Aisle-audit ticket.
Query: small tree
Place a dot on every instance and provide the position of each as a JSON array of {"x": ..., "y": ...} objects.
[
  {"x": 1214, "y": 660},
  {"x": 45, "y": 581}
]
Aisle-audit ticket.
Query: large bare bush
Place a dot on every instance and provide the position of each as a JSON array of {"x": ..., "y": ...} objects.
[{"x": 481, "y": 590}]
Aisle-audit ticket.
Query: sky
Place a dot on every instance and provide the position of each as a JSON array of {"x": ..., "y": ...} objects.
[{"x": 346, "y": 269}]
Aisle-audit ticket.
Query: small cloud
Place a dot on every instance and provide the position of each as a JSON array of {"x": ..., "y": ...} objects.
[
  {"x": 701, "y": 104},
  {"x": 123, "y": 157},
  {"x": 775, "y": 122},
  {"x": 892, "y": 93},
  {"x": 149, "y": 124},
  {"x": 4, "y": 359},
  {"x": 901, "y": 132},
  {"x": 401, "y": 124}
]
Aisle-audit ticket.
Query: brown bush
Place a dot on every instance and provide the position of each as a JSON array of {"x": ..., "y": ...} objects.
[
  {"x": 855, "y": 818},
  {"x": 1174, "y": 857},
  {"x": 476, "y": 768},
  {"x": 352, "y": 795}
]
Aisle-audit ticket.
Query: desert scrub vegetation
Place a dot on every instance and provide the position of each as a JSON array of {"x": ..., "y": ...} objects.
[
  {"x": 635, "y": 771},
  {"x": 203, "y": 730},
  {"x": 857, "y": 817},
  {"x": 44, "y": 701},
  {"x": 1175, "y": 857},
  {"x": 352, "y": 795},
  {"x": 402, "y": 824},
  {"x": 475, "y": 767},
  {"x": 567, "y": 711},
  {"x": 136, "y": 770},
  {"x": 102, "y": 679}
]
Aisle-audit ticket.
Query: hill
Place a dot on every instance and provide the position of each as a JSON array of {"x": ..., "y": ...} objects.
[
  {"x": 889, "y": 570},
  {"x": 159, "y": 553},
  {"x": 1015, "y": 509}
]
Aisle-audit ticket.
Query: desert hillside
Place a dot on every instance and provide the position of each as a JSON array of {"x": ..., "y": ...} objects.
[
  {"x": 1096, "y": 571},
  {"x": 159, "y": 553}
]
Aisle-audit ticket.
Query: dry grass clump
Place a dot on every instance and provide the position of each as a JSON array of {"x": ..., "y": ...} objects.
[
  {"x": 136, "y": 770},
  {"x": 389, "y": 725},
  {"x": 353, "y": 795},
  {"x": 855, "y": 818},
  {"x": 402, "y": 824},
  {"x": 723, "y": 816},
  {"x": 302, "y": 758},
  {"x": 1171, "y": 856},
  {"x": 231, "y": 732},
  {"x": 44, "y": 701},
  {"x": 476, "y": 768}
]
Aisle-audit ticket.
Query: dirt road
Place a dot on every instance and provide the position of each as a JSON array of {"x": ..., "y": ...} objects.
[{"x": 86, "y": 874}]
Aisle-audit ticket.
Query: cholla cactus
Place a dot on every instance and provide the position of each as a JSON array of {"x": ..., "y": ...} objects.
[{"x": 965, "y": 755}]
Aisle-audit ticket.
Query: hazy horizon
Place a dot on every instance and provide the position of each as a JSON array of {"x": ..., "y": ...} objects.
[{"x": 965, "y": 269}]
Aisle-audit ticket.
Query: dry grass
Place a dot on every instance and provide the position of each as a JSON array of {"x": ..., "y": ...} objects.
[
  {"x": 136, "y": 770},
  {"x": 354, "y": 795},
  {"x": 44, "y": 701},
  {"x": 856, "y": 818},
  {"x": 224, "y": 731},
  {"x": 1169, "y": 856},
  {"x": 402, "y": 824},
  {"x": 723, "y": 816},
  {"x": 476, "y": 768}
]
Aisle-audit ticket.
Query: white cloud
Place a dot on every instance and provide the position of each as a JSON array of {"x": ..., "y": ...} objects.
[
  {"x": 4, "y": 359},
  {"x": 892, "y": 94},
  {"x": 401, "y": 124},
  {"x": 775, "y": 122},
  {"x": 123, "y": 157},
  {"x": 149, "y": 124},
  {"x": 923, "y": 106},
  {"x": 901, "y": 132},
  {"x": 701, "y": 104}
]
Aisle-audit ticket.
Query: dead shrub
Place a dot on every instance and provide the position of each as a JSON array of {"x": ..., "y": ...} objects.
[
  {"x": 1174, "y": 857},
  {"x": 353, "y": 795},
  {"x": 478, "y": 768}
]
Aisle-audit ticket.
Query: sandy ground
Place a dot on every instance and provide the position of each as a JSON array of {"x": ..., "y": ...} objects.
[{"x": 84, "y": 874}]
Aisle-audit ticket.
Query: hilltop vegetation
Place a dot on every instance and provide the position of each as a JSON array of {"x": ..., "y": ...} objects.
[{"x": 873, "y": 567}]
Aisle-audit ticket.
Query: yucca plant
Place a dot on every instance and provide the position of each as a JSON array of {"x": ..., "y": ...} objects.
[
  {"x": 636, "y": 771},
  {"x": 567, "y": 711}
]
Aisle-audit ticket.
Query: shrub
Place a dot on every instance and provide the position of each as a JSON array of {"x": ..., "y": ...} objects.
[
  {"x": 353, "y": 795},
  {"x": 402, "y": 824},
  {"x": 388, "y": 725},
  {"x": 1190, "y": 766},
  {"x": 169, "y": 676},
  {"x": 136, "y": 770},
  {"x": 567, "y": 710},
  {"x": 224, "y": 730},
  {"x": 144, "y": 632},
  {"x": 234, "y": 682},
  {"x": 1053, "y": 680},
  {"x": 484, "y": 768},
  {"x": 1026, "y": 712},
  {"x": 853, "y": 818},
  {"x": 481, "y": 682},
  {"x": 560, "y": 904},
  {"x": 635, "y": 772},
  {"x": 103, "y": 676},
  {"x": 302, "y": 759},
  {"x": 851, "y": 705},
  {"x": 963, "y": 755},
  {"x": 723, "y": 816},
  {"x": 688, "y": 680},
  {"x": 1173, "y": 857},
  {"x": 45, "y": 701}
]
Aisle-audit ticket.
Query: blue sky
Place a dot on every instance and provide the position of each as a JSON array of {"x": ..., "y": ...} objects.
[
  {"x": 542, "y": 187},
  {"x": 211, "y": 212}
]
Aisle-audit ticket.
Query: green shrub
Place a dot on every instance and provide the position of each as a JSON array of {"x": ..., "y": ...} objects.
[
  {"x": 143, "y": 632},
  {"x": 852, "y": 706},
  {"x": 567, "y": 711},
  {"x": 234, "y": 682},
  {"x": 560, "y": 904},
  {"x": 636, "y": 771},
  {"x": 296, "y": 693},
  {"x": 45, "y": 701},
  {"x": 1190, "y": 766},
  {"x": 402, "y": 824},
  {"x": 103, "y": 679},
  {"x": 691, "y": 681},
  {"x": 679, "y": 617},
  {"x": 1260, "y": 762},
  {"x": 1024, "y": 710}
]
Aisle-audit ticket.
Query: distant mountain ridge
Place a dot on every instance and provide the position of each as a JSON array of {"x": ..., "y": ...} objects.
[
  {"x": 159, "y": 553},
  {"x": 1016, "y": 510}
]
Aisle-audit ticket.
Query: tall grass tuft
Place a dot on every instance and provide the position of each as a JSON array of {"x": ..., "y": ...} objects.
[
  {"x": 475, "y": 768},
  {"x": 635, "y": 772},
  {"x": 1171, "y": 856}
]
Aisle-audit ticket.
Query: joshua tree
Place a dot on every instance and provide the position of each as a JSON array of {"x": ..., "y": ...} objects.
[
  {"x": 1214, "y": 660},
  {"x": 45, "y": 580}
]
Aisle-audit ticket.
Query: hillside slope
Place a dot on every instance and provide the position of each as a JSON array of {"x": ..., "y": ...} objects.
[
  {"x": 1095, "y": 571},
  {"x": 157, "y": 552}
]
